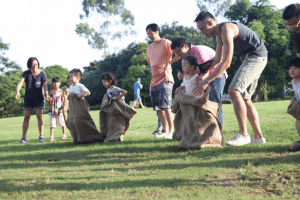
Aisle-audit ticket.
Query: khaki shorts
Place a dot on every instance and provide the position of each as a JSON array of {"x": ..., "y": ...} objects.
[{"x": 246, "y": 78}]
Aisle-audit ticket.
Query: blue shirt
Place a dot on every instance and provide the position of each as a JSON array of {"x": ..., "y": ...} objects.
[{"x": 137, "y": 88}]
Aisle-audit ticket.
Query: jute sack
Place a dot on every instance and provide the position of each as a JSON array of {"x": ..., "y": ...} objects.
[
  {"x": 115, "y": 119},
  {"x": 177, "y": 121},
  {"x": 82, "y": 126},
  {"x": 65, "y": 110},
  {"x": 200, "y": 126},
  {"x": 294, "y": 108},
  {"x": 295, "y": 146}
]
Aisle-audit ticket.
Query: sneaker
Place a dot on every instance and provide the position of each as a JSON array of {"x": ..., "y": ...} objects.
[
  {"x": 160, "y": 134},
  {"x": 260, "y": 140},
  {"x": 156, "y": 132},
  {"x": 41, "y": 139},
  {"x": 169, "y": 136},
  {"x": 23, "y": 139},
  {"x": 51, "y": 139},
  {"x": 64, "y": 137},
  {"x": 239, "y": 140}
]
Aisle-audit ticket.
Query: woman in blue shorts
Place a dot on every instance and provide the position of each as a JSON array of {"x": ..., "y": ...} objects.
[{"x": 36, "y": 85}]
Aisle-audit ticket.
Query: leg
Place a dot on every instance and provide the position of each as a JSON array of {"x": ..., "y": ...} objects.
[
  {"x": 216, "y": 93},
  {"x": 133, "y": 104},
  {"x": 170, "y": 118},
  {"x": 27, "y": 114},
  {"x": 141, "y": 103},
  {"x": 51, "y": 132},
  {"x": 159, "y": 125},
  {"x": 163, "y": 120},
  {"x": 39, "y": 116},
  {"x": 253, "y": 118},
  {"x": 240, "y": 110}
]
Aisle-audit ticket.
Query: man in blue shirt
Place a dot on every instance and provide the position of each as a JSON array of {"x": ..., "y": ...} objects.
[{"x": 137, "y": 90}]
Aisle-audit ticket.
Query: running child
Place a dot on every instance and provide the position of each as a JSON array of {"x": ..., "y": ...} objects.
[{"x": 55, "y": 109}]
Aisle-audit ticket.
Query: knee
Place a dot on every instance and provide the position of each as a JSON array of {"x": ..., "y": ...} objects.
[
  {"x": 26, "y": 118},
  {"x": 232, "y": 92}
]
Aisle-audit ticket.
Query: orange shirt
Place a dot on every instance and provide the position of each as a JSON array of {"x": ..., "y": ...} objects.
[{"x": 159, "y": 57}]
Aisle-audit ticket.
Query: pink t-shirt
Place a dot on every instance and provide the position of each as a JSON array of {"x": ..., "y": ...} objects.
[
  {"x": 159, "y": 56},
  {"x": 203, "y": 54}
]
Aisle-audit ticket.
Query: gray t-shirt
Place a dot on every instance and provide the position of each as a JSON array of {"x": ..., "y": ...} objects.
[
  {"x": 247, "y": 43},
  {"x": 114, "y": 92}
]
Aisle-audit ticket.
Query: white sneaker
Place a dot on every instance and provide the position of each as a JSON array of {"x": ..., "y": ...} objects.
[
  {"x": 160, "y": 135},
  {"x": 239, "y": 140},
  {"x": 260, "y": 140},
  {"x": 169, "y": 136}
]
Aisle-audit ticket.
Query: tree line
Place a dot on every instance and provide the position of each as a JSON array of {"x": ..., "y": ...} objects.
[{"x": 130, "y": 63}]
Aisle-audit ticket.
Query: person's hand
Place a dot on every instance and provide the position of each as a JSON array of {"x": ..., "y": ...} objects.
[
  {"x": 48, "y": 98},
  {"x": 201, "y": 85},
  {"x": 114, "y": 98},
  {"x": 17, "y": 95},
  {"x": 80, "y": 96}
]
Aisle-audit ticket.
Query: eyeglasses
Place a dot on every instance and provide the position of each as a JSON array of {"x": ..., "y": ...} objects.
[
  {"x": 295, "y": 25},
  {"x": 177, "y": 52},
  {"x": 201, "y": 30}
]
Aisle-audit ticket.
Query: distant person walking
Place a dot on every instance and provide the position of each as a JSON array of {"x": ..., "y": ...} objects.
[
  {"x": 137, "y": 86},
  {"x": 36, "y": 86}
]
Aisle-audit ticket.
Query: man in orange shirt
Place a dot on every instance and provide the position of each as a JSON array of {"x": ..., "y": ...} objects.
[{"x": 159, "y": 55}]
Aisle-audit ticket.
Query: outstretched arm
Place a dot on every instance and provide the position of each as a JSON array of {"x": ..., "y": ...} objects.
[{"x": 17, "y": 95}]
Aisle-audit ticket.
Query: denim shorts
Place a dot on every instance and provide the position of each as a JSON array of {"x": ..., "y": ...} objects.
[
  {"x": 30, "y": 106},
  {"x": 246, "y": 78},
  {"x": 137, "y": 97},
  {"x": 161, "y": 96}
]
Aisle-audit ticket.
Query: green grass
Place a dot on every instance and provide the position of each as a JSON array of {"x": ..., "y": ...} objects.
[{"x": 144, "y": 167}]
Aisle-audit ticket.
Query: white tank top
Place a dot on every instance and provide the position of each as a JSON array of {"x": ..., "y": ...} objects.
[{"x": 190, "y": 85}]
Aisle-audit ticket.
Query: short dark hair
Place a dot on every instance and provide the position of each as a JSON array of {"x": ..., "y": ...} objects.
[
  {"x": 109, "y": 76},
  {"x": 153, "y": 27},
  {"x": 179, "y": 42},
  {"x": 55, "y": 79},
  {"x": 292, "y": 10},
  {"x": 77, "y": 72},
  {"x": 204, "y": 15},
  {"x": 30, "y": 60},
  {"x": 293, "y": 62}
]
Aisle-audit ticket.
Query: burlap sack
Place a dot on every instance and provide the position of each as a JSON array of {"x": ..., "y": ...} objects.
[
  {"x": 294, "y": 108},
  {"x": 177, "y": 121},
  {"x": 115, "y": 119},
  {"x": 82, "y": 126},
  {"x": 200, "y": 127},
  {"x": 295, "y": 146},
  {"x": 65, "y": 110}
]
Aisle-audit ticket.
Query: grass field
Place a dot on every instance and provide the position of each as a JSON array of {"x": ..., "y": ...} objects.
[{"x": 144, "y": 167}]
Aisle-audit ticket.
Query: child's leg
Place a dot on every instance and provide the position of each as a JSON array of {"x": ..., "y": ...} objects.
[
  {"x": 64, "y": 130},
  {"x": 51, "y": 132},
  {"x": 298, "y": 126}
]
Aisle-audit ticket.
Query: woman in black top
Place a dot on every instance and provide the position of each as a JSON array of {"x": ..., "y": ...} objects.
[{"x": 36, "y": 85}]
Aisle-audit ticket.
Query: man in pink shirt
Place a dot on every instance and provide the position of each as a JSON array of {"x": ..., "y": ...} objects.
[
  {"x": 182, "y": 47},
  {"x": 159, "y": 55}
]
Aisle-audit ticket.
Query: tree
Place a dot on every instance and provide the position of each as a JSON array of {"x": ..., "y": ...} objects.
[
  {"x": 58, "y": 71},
  {"x": 112, "y": 14},
  {"x": 216, "y": 7}
]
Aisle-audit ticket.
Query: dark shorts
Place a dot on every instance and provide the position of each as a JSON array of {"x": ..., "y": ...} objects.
[
  {"x": 137, "y": 97},
  {"x": 38, "y": 105},
  {"x": 161, "y": 96}
]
